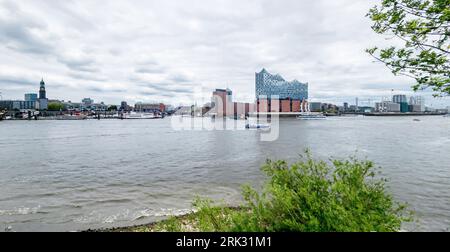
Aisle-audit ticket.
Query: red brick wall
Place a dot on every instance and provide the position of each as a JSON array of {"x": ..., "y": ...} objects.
[
  {"x": 295, "y": 106},
  {"x": 285, "y": 106},
  {"x": 263, "y": 105},
  {"x": 239, "y": 108},
  {"x": 251, "y": 108},
  {"x": 275, "y": 106},
  {"x": 221, "y": 110}
]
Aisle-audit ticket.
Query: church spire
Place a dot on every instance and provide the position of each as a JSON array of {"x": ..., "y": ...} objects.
[{"x": 42, "y": 93}]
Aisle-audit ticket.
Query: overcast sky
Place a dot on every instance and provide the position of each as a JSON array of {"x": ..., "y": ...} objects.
[{"x": 172, "y": 51}]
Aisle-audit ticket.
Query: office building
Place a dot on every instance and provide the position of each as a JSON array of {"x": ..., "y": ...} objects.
[{"x": 31, "y": 97}]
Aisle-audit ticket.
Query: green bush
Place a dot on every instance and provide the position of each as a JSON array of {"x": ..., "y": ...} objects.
[
  {"x": 55, "y": 106},
  {"x": 309, "y": 196}
]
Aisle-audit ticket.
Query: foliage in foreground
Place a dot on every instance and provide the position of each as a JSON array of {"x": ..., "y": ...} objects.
[
  {"x": 424, "y": 28},
  {"x": 308, "y": 196}
]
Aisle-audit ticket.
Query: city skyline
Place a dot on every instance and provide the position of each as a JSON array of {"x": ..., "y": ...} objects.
[{"x": 153, "y": 51}]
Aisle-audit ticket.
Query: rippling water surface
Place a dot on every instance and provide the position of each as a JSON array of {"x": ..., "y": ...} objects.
[{"x": 75, "y": 175}]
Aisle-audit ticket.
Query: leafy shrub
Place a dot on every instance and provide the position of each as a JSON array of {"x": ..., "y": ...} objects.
[{"x": 310, "y": 196}]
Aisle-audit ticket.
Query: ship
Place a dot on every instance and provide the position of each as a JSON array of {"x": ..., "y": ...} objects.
[
  {"x": 137, "y": 116},
  {"x": 311, "y": 116}
]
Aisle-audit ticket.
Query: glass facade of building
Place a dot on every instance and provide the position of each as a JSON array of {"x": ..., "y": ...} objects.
[
  {"x": 31, "y": 97},
  {"x": 268, "y": 85}
]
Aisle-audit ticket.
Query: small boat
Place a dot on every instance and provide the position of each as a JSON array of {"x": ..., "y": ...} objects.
[
  {"x": 416, "y": 120},
  {"x": 257, "y": 126},
  {"x": 253, "y": 123},
  {"x": 311, "y": 116}
]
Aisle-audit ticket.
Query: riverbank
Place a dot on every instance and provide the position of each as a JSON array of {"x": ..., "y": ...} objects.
[{"x": 183, "y": 223}]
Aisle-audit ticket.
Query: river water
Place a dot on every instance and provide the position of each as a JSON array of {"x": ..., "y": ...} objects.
[{"x": 76, "y": 175}]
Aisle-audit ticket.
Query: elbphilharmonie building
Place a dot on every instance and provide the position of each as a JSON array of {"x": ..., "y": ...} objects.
[
  {"x": 275, "y": 94},
  {"x": 268, "y": 85}
]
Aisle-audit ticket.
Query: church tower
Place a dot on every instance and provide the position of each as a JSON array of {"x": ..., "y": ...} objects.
[
  {"x": 42, "y": 94},
  {"x": 43, "y": 101}
]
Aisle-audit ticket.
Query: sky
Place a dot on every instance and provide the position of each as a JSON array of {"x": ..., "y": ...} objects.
[{"x": 179, "y": 51}]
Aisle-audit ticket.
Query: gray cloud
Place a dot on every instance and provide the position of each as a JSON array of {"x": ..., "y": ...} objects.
[
  {"x": 16, "y": 80},
  {"x": 179, "y": 79},
  {"x": 164, "y": 49},
  {"x": 147, "y": 70},
  {"x": 103, "y": 90},
  {"x": 18, "y": 31},
  {"x": 166, "y": 88},
  {"x": 81, "y": 64}
]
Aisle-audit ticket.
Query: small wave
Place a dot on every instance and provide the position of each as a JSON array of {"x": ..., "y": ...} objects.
[
  {"x": 21, "y": 211},
  {"x": 114, "y": 201},
  {"x": 161, "y": 213},
  {"x": 127, "y": 215}
]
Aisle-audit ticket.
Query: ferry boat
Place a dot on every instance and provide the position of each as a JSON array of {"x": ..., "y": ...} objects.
[
  {"x": 135, "y": 115},
  {"x": 311, "y": 116},
  {"x": 71, "y": 117}
]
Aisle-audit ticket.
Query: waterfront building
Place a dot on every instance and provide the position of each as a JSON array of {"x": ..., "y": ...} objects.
[
  {"x": 296, "y": 106},
  {"x": 87, "y": 102},
  {"x": 399, "y": 98},
  {"x": 418, "y": 101},
  {"x": 149, "y": 107},
  {"x": 402, "y": 100},
  {"x": 366, "y": 109},
  {"x": 222, "y": 102},
  {"x": 291, "y": 96},
  {"x": 17, "y": 105},
  {"x": 124, "y": 107},
  {"x": 31, "y": 97},
  {"x": 315, "y": 106},
  {"x": 243, "y": 109},
  {"x": 285, "y": 105},
  {"x": 414, "y": 108},
  {"x": 345, "y": 106},
  {"x": 326, "y": 107},
  {"x": 268, "y": 85},
  {"x": 387, "y": 106}
]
